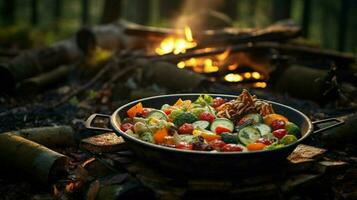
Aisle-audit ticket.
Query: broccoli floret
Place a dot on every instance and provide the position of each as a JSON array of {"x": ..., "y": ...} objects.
[
  {"x": 147, "y": 136},
  {"x": 184, "y": 118}
]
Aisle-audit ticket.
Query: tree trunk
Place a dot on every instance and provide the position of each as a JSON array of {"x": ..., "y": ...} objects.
[
  {"x": 281, "y": 9},
  {"x": 8, "y": 12},
  {"x": 111, "y": 11}
]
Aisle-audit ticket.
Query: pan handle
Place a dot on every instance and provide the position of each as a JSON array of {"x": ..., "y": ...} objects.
[
  {"x": 91, "y": 118},
  {"x": 339, "y": 122}
]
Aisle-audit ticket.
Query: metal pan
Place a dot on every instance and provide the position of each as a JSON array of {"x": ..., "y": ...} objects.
[{"x": 200, "y": 163}]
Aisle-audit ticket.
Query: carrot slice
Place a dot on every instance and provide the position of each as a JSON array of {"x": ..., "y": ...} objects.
[
  {"x": 138, "y": 108},
  {"x": 160, "y": 135}
]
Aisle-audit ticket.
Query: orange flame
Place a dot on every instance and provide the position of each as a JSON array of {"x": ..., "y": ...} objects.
[{"x": 177, "y": 45}]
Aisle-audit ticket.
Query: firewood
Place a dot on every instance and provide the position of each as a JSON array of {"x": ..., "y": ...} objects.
[
  {"x": 50, "y": 136},
  {"x": 34, "y": 62},
  {"x": 37, "y": 162},
  {"x": 37, "y": 83},
  {"x": 168, "y": 75}
]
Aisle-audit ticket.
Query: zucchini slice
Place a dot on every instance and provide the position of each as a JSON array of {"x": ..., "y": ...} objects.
[
  {"x": 200, "y": 124},
  {"x": 263, "y": 129},
  {"x": 222, "y": 122},
  {"x": 157, "y": 114},
  {"x": 248, "y": 135},
  {"x": 257, "y": 118}
]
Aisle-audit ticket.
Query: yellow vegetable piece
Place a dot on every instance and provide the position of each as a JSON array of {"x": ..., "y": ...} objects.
[{"x": 268, "y": 119}]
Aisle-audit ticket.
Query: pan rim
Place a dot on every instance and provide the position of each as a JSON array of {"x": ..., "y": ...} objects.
[{"x": 115, "y": 126}]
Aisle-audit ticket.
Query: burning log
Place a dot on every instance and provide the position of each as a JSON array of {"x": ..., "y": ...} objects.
[
  {"x": 36, "y": 161},
  {"x": 51, "y": 136},
  {"x": 37, "y": 83},
  {"x": 34, "y": 62}
]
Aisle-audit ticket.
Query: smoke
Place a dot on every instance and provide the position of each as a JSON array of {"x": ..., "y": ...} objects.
[{"x": 202, "y": 14}]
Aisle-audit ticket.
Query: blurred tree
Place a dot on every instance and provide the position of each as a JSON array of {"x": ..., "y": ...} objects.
[
  {"x": 281, "y": 9},
  {"x": 8, "y": 12},
  {"x": 34, "y": 12},
  {"x": 111, "y": 11}
]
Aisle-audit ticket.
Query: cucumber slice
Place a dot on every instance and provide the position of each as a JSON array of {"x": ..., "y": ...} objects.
[
  {"x": 257, "y": 118},
  {"x": 246, "y": 123},
  {"x": 157, "y": 114},
  {"x": 222, "y": 122},
  {"x": 229, "y": 138},
  {"x": 248, "y": 135},
  {"x": 200, "y": 124},
  {"x": 263, "y": 129}
]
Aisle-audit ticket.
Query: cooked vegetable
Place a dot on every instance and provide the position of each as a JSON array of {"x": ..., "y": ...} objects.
[
  {"x": 184, "y": 118},
  {"x": 247, "y": 122},
  {"x": 175, "y": 113},
  {"x": 157, "y": 114},
  {"x": 255, "y": 146},
  {"x": 268, "y": 119},
  {"x": 147, "y": 137},
  {"x": 278, "y": 124},
  {"x": 264, "y": 141},
  {"x": 138, "y": 108},
  {"x": 186, "y": 128},
  {"x": 257, "y": 118},
  {"x": 200, "y": 124},
  {"x": 206, "y": 116},
  {"x": 229, "y": 138},
  {"x": 288, "y": 139},
  {"x": 280, "y": 133},
  {"x": 248, "y": 135},
  {"x": 292, "y": 129},
  {"x": 217, "y": 144},
  {"x": 263, "y": 129},
  {"x": 160, "y": 135},
  {"x": 127, "y": 126},
  {"x": 231, "y": 148},
  {"x": 223, "y": 123}
]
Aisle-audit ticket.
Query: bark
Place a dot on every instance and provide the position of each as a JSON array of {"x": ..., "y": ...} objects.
[{"x": 51, "y": 136}]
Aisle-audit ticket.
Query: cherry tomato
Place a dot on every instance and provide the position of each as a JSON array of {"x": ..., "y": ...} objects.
[
  {"x": 231, "y": 147},
  {"x": 263, "y": 141},
  {"x": 167, "y": 111},
  {"x": 255, "y": 146},
  {"x": 126, "y": 126},
  {"x": 218, "y": 101},
  {"x": 280, "y": 133},
  {"x": 217, "y": 144},
  {"x": 278, "y": 124},
  {"x": 183, "y": 145},
  {"x": 206, "y": 116},
  {"x": 186, "y": 128},
  {"x": 220, "y": 130}
]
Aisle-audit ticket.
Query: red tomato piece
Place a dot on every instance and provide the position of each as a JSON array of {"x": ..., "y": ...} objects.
[
  {"x": 183, "y": 145},
  {"x": 186, "y": 128},
  {"x": 167, "y": 111},
  {"x": 264, "y": 141},
  {"x": 218, "y": 101},
  {"x": 126, "y": 126},
  {"x": 280, "y": 133},
  {"x": 206, "y": 116},
  {"x": 231, "y": 147},
  {"x": 220, "y": 130},
  {"x": 244, "y": 120},
  {"x": 217, "y": 144},
  {"x": 278, "y": 124}
]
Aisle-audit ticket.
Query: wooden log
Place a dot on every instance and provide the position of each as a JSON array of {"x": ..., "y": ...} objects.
[
  {"x": 34, "y": 62},
  {"x": 37, "y": 83},
  {"x": 162, "y": 73},
  {"x": 50, "y": 136},
  {"x": 37, "y": 162}
]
